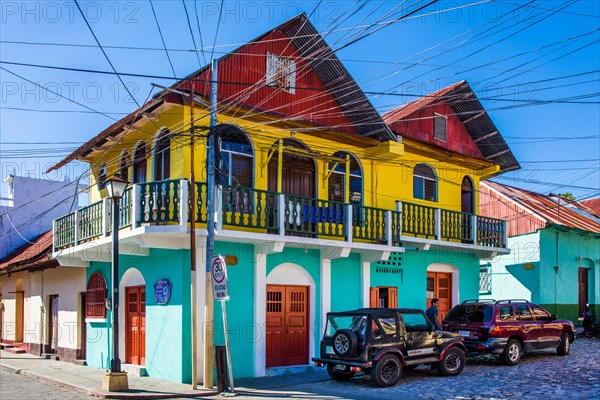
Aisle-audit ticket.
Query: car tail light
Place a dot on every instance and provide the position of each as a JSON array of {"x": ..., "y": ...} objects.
[
  {"x": 355, "y": 369},
  {"x": 495, "y": 330},
  {"x": 318, "y": 364}
]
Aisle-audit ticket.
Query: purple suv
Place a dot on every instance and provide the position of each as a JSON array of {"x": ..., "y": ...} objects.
[{"x": 508, "y": 328}]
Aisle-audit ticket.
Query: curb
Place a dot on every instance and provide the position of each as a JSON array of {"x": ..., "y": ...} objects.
[{"x": 100, "y": 394}]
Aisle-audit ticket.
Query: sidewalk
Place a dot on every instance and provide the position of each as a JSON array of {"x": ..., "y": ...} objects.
[{"x": 89, "y": 379}]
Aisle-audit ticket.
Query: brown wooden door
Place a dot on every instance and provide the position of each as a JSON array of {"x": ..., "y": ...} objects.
[
  {"x": 384, "y": 297},
  {"x": 583, "y": 288},
  {"x": 287, "y": 325},
  {"x": 135, "y": 326},
  {"x": 439, "y": 285},
  {"x": 53, "y": 322},
  {"x": 19, "y": 315}
]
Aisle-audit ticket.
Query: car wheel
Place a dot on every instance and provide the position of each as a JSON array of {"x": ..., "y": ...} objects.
[
  {"x": 452, "y": 363},
  {"x": 565, "y": 344},
  {"x": 337, "y": 375},
  {"x": 512, "y": 353},
  {"x": 386, "y": 371},
  {"x": 345, "y": 343}
]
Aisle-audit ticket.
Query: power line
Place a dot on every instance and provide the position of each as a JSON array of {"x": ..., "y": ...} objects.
[{"x": 162, "y": 38}]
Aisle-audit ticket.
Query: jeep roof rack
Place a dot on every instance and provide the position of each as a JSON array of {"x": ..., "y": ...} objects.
[
  {"x": 510, "y": 301},
  {"x": 478, "y": 301}
]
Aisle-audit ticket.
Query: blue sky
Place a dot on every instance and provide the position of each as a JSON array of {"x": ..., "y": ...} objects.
[{"x": 517, "y": 56}]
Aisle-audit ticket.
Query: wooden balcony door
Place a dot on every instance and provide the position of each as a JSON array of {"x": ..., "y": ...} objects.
[
  {"x": 135, "y": 325},
  {"x": 287, "y": 325},
  {"x": 439, "y": 285}
]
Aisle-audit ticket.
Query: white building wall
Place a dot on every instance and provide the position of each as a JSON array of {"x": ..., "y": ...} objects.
[{"x": 29, "y": 212}]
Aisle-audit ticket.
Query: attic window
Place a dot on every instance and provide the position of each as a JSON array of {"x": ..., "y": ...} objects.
[
  {"x": 439, "y": 126},
  {"x": 281, "y": 73}
]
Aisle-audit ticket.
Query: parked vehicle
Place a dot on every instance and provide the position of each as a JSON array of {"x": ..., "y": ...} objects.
[
  {"x": 508, "y": 328},
  {"x": 591, "y": 327},
  {"x": 382, "y": 342}
]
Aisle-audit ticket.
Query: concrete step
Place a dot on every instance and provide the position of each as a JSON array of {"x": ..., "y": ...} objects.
[
  {"x": 80, "y": 362},
  {"x": 50, "y": 356},
  {"x": 296, "y": 369},
  {"x": 134, "y": 370},
  {"x": 15, "y": 350},
  {"x": 6, "y": 346}
]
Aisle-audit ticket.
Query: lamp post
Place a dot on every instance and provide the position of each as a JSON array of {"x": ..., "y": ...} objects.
[{"x": 117, "y": 380}]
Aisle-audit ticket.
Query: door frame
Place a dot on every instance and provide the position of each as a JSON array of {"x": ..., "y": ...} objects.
[{"x": 287, "y": 274}]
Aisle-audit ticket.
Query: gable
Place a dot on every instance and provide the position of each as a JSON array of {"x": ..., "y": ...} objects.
[
  {"x": 419, "y": 125},
  {"x": 242, "y": 81}
]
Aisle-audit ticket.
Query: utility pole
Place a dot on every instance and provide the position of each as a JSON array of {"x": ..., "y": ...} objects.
[
  {"x": 193, "y": 243},
  {"x": 210, "y": 230}
]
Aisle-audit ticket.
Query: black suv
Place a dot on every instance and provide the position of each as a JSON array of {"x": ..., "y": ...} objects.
[
  {"x": 383, "y": 341},
  {"x": 508, "y": 328}
]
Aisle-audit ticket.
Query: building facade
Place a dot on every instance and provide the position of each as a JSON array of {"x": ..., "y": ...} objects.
[{"x": 326, "y": 205}]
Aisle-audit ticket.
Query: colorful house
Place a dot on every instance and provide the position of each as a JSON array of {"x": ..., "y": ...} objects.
[
  {"x": 326, "y": 205},
  {"x": 42, "y": 302},
  {"x": 555, "y": 251}
]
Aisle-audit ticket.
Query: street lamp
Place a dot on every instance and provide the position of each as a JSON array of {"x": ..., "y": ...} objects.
[{"x": 116, "y": 380}]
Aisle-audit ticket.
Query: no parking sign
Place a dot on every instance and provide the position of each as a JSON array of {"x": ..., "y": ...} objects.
[{"x": 218, "y": 270}]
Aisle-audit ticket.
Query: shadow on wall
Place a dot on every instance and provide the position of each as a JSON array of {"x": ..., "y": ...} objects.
[{"x": 528, "y": 275}]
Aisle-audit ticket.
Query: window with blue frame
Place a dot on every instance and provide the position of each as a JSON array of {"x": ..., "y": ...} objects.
[
  {"x": 337, "y": 179},
  {"x": 424, "y": 183}
]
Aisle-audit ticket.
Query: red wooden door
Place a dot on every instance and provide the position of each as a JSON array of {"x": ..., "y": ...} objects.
[
  {"x": 583, "y": 288},
  {"x": 287, "y": 325},
  {"x": 135, "y": 327},
  {"x": 439, "y": 285},
  {"x": 82, "y": 323}
]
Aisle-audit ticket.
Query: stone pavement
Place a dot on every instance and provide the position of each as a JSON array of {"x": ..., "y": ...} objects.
[{"x": 539, "y": 375}]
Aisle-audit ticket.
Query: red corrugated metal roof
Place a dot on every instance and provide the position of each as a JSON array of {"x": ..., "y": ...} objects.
[
  {"x": 31, "y": 253},
  {"x": 547, "y": 208},
  {"x": 593, "y": 205}
]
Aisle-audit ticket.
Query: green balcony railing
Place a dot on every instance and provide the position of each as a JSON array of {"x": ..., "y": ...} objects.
[
  {"x": 418, "y": 220},
  {"x": 308, "y": 216},
  {"x": 268, "y": 212},
  {"x": 64, "y": 231},
  {"x": 249, "y": 208},
  {"x": 89, "y": 222},
  {"x": 159, "y": 201}
]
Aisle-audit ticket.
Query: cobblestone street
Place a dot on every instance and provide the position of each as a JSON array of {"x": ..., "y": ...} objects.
[{"x": 541, "y": 375}]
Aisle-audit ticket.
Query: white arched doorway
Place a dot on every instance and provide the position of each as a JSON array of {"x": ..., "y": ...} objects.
[
  {"x": 290, "y": 314},
  {"x": 132, "y": 318},
  {"x": 442, "y": 283}
]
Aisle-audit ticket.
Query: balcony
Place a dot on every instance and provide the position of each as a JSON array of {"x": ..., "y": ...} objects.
[{"x": 258, "y": 215}]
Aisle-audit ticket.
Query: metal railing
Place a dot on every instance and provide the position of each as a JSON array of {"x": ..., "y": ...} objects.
[{"x": 162, "y": 202}]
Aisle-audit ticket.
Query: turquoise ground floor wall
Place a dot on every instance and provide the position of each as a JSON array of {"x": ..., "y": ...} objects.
[
  {"x": 168, "y": 326},
  {"x": 168, "y": 339}
]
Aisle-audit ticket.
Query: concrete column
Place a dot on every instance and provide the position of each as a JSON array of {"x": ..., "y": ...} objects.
[
  {"x": 325, "y": 291},
  {"x": 183, "y": 202},
  {"x": 260, "y": 310},
  {"x": 365, "y": 281}
]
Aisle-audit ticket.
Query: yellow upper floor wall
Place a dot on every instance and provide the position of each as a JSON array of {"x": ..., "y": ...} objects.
[{"x": 387, "y": 168}]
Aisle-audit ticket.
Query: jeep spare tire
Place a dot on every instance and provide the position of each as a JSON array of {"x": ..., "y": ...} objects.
[{"x": 345, "y": 343}]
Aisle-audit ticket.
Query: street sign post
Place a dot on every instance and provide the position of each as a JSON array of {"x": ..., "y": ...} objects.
[{"x": 221, "y": 293}]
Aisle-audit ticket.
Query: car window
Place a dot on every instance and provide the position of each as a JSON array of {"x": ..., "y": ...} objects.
[
  {"x": 353, "y": 322},
  {"x": 523, "y": 313},
  {"x": 415, "y": 322},
  {"x": 506, "y": 313},
  {"x": 388, "y": 325},
  {"x": 540, "y": 314},
  {"x": 470, "y": 313}
]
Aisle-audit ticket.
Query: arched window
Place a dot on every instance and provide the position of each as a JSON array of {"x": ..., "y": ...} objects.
[
  {"x": 237, "y": 157},
  {"x": 337, "y": 179},
  {"x": 424, "y": 183},
  {"x": 95, "y": 297},
  {"x": 102, "y": 177},
  {"x": 124, "y": 166},
  {"x": 139, "y": 163},
  {"x": 162, "y": 156},
  {"x": 466, "y": 196}
]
